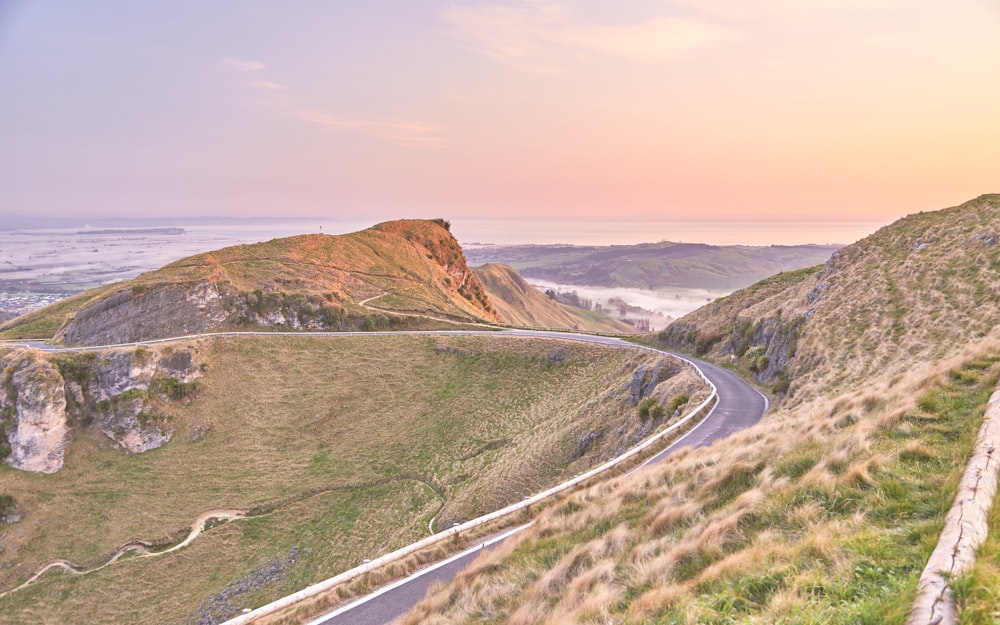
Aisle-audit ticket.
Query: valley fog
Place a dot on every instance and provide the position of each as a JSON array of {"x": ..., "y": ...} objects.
[{"x": 660, "y": 307}]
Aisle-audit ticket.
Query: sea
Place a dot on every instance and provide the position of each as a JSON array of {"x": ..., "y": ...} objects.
[{"x": 587, "y": 232}]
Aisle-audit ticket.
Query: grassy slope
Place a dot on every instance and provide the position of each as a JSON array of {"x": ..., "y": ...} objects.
[
  {"x": 408, "y": 267},
  {"x": 826, "y": 511},
  {"x": 911, "y": 293},
  {"x": 521, "y": 304},
  {"x": 379, "y": 422}
]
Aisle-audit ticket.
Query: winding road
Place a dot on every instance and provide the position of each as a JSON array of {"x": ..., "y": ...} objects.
[{"x": 739, "y": 406}]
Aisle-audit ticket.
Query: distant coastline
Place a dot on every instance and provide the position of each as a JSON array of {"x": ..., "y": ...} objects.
[{"x": 134, "y": 231}]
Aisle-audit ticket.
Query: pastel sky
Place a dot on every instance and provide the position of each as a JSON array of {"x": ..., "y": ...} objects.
[{"x": 633, "y": 109}]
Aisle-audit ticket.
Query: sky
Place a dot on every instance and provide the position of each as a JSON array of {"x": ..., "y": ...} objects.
[{"x": 644, "y": 110}]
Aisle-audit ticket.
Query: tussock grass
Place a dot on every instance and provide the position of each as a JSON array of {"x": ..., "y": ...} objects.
[
  {"x": 822, "y": 514},
  {"x": 340, "y": 448}
]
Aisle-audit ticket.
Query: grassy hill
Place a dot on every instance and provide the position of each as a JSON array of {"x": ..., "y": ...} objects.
[
  {"x": 653, "y": 265},
  {"x": 336, "y": 448},
  {"x": 521, "y": 304},
  {"x": 826, "y": 511},
  {"x": 407, "y": 274},
  {"x": 905, "y": 296}
]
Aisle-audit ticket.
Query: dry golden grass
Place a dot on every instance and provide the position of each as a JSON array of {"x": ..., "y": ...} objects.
[
  {"x": 350, "y": 441},
  {"x": 909, "y": 294},
  {"x": 821, "y": 513}
]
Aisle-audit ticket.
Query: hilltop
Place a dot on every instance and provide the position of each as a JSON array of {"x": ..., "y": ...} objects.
[
  {"x": 882, "y": 361},
  {"x": 406, "y": 274}
]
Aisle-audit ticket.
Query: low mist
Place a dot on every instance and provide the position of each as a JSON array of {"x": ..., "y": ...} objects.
[{"x": 660, "y": 307}]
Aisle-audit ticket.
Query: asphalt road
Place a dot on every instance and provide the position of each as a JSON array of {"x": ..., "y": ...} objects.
[{"x": 739, "y": 406}]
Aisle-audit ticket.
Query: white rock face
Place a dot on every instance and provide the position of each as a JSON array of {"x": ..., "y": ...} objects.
[
  {"x": 125, "y": 393},
  {"x": 39, "y": 433}
]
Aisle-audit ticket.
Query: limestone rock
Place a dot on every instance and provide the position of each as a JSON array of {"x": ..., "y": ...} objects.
[{"x": 35, "y": 398}]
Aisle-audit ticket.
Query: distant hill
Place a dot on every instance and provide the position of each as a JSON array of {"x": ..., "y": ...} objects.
[
  {"x": 406, "y": 274},
  {"x": 653, "y": 265},
  {"x": 521, "y": 304}
]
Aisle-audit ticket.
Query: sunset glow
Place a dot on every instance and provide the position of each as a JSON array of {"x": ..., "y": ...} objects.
[{"x": 663, "y": 110}]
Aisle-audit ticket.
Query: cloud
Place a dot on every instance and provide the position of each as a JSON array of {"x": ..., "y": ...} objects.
[
  {"x": 264, "y": 84},
  {"x": 780, "y": 9},
  {"x": 243, "y": 66},
  {"x": 659, "y": 40},
  {"x": 401, "y": 133},
  {"x": 530, "y": 33},
  {"x": 503, "y": 32}
]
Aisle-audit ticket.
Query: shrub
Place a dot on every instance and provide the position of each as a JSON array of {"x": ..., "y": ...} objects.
[
  {"x": 677, "y": 402},
  {"x": 650, "y": 408},
  {"x": 781, "y": 384},
  {"x": 7, "y": 505},
  {"x": 174, "y": 388},
  {"x": 75, "y": 367},
  {"x": 705, "y": 342}
]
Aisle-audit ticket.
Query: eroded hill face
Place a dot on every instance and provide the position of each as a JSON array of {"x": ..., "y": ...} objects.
[
  {"x": 392, "y": 275},
  {"x": 912, "y": 292}
]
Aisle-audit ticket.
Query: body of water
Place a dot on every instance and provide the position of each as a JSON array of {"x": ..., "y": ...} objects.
[{"x": 585, "y": 232}]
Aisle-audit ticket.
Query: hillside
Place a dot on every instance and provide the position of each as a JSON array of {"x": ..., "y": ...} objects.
[
  {"x": 305, "y": 454},
  {"x": 396, "y": 274},
  {"x": 908, "y": 294},
  {"x": 827, "y": 510},
  {"x": 653, "y": 266},
  {"x": 407, "y": 274},
  {"x": 521, "y": 304}
]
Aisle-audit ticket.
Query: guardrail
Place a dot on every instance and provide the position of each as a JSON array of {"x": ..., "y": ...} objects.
[{"x": 327, "y": 585}]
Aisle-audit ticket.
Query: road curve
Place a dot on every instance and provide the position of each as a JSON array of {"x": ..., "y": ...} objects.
[{"x": 739, "y": 406}]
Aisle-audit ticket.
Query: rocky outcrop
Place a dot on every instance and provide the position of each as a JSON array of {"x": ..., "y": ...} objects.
[
  {"x": 646, "y": 379},
  {"x": 434, "y": 238},
  {"x": 139, "y": 313},
  {"x": 33, "y": 404},
  {"x": 124, "y": 394}
]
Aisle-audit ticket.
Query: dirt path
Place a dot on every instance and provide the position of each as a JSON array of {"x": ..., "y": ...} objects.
[{"x": 140, "y": 548}]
